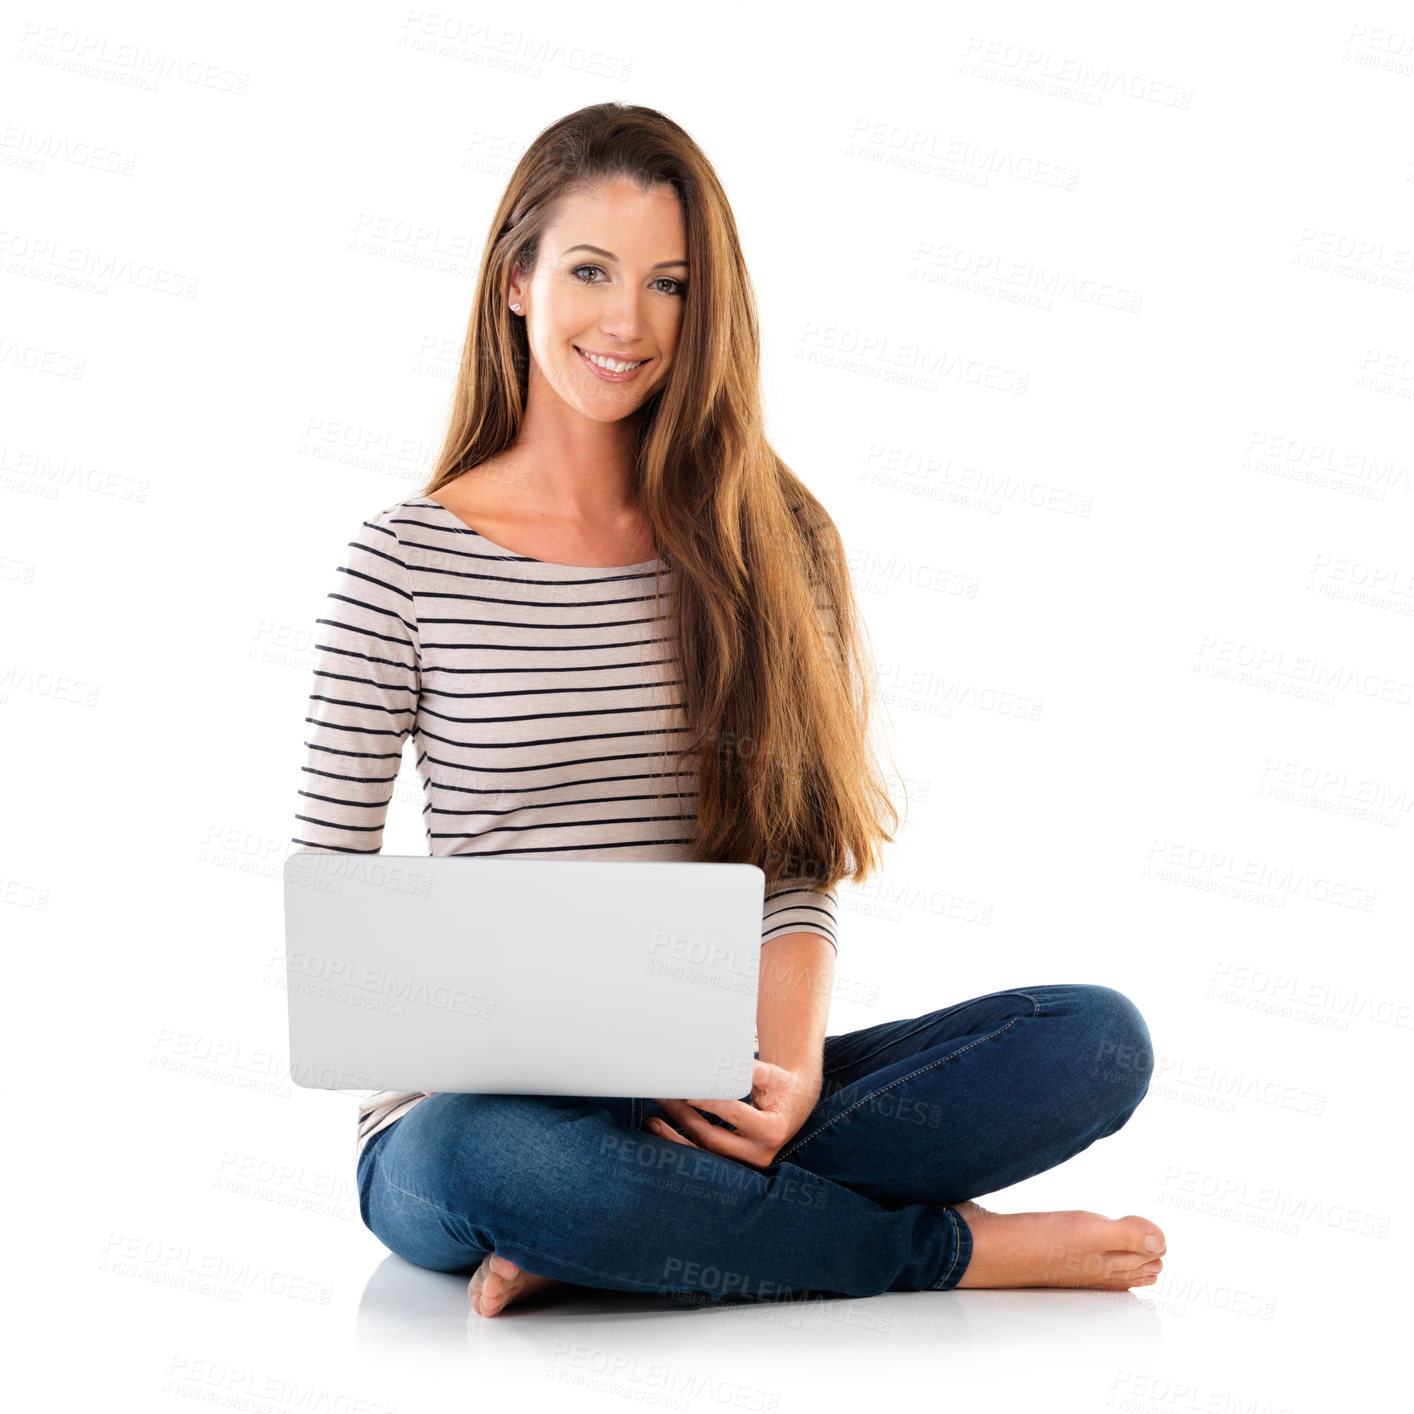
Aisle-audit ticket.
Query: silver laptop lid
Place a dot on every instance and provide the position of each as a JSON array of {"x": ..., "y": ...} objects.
[{"x": 474, "y": 974}]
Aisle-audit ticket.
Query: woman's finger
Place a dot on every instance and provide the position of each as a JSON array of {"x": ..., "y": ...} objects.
[
  {"x": 729, "y": 1110},
  {"x": 744, "y": 1145},
  {"x": 666, "y": 1131}
]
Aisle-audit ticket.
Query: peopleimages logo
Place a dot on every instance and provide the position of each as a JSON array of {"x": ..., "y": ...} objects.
[{"x": 715, "y": 955}]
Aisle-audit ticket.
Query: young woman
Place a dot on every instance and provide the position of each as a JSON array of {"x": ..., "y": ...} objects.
[{"x": 618, "y": 626}]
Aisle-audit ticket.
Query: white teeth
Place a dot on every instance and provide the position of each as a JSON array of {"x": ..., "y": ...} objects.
[{"x": 613, "y": 365}]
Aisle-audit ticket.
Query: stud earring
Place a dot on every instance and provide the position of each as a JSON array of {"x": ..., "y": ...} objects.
[{"x": 516, "y": 308}]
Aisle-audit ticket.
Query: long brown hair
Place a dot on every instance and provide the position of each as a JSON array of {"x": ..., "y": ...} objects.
[{"x": 776, "y": 677}]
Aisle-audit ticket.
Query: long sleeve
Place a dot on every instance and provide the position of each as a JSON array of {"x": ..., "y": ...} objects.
[{"x": 363, "y": 704}]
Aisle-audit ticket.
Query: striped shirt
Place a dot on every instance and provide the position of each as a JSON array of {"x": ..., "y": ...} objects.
[{"x": 540, "y": 704}]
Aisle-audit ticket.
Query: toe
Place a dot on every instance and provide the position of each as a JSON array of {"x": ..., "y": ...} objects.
[{"x": 1140, "y": 1235}]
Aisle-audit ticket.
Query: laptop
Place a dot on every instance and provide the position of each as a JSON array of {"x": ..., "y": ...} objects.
[{"x": 481, "y": 974}]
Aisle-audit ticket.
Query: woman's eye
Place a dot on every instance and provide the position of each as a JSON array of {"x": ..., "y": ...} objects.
[{"x": 679, "y": 289}]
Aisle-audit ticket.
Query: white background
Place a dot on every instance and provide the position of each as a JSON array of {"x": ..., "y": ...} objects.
[{"x": 1091, "y": 326}]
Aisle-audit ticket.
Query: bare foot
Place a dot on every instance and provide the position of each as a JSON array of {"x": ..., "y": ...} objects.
[
  {"x": 1070, "y": 1248},
  {"x": 498, "y": 1281}
]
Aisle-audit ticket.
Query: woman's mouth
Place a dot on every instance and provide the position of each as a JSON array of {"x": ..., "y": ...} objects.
[{"x": 611, "y": 369}]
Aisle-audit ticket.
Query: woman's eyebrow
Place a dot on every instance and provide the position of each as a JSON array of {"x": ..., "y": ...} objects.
[{"x": 608, "y": 255}]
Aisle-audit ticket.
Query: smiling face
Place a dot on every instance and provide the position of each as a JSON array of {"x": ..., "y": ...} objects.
[{"x": 604, "y": 305}]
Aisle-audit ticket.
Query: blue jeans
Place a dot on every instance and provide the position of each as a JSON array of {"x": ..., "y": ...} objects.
[{"x": 913, "y": 1117}]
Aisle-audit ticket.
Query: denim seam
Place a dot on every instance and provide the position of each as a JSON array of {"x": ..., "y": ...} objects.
[
  {"x": 592, "y": 1271},
  {"x": 560, "y": 1258},
  {"x": 922, "y": 1070},
  {"x": 418, "y": 1198},
  {"x": 886, "y": 1042},
  {"x": 956, "y": 1250},
  {"x": 924, "y": 1020}
]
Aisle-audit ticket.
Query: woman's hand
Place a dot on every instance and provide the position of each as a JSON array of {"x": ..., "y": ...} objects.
[{"x": 780, "y": 1101}]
